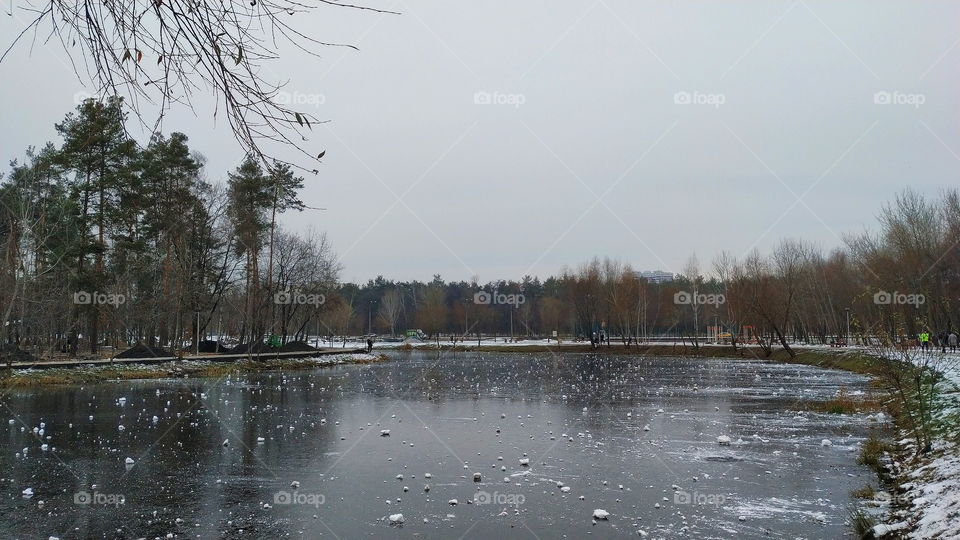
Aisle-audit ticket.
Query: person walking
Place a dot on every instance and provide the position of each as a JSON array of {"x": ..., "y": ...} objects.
[
  {"x": 369, "y": 344},
  {"x": 952, "y": 341},
  {"x": 924, "y": 340}
]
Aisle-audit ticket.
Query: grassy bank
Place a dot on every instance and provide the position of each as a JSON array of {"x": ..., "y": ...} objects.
[
  {"x": 845, "y": 359},
  {"x": 28, "y": 378}
]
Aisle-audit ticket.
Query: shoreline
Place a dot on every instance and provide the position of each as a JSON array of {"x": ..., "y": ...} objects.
[
  {"x": 34, "y": 377},
  {"x": 855, "y": 360},
  {"x": 926, "y": 502},
  {"x": 86, "y": 372}
]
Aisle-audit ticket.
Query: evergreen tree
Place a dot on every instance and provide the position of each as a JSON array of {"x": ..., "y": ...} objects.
[{"x": 99, "y": 154}]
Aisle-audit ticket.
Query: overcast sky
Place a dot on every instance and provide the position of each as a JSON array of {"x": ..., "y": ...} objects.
[{"x": 642, "y": 131}]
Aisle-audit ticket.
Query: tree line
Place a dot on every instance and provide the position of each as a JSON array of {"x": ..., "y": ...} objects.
[
  {"x": 107, "y": 243},
  {"x": 893, "y": 283},
  {"x": 887, "y": 285}
]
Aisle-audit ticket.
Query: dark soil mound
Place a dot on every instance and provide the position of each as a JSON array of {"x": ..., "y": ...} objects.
[
  {"x": 142, "y": 351},
  {"x": 245, "y": 348},
  {"x": 11, "y": 353},
  {"x": 297, "y": 346},
  {"x": 211, "y": 346}
]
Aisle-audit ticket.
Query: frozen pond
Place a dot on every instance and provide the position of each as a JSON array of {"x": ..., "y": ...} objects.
[{"x": 303, "y": 454}]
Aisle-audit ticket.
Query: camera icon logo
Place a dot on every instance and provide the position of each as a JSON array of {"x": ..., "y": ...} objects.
[
  {"x": 82, "y": 497},
  {"x": 682, "y": 298},
  {"x": 681, "y": 497},
  {"x": 283, "y": 297},
  {"x": 482, "y": 497},
  {"x": 682, "y": 98},
  {"x": 282, "y": 497},
  {"x": 482, "y": 98},
  {"x": 82, "y": 298},
  {"x": 482, "y": 297},
  {"x": 882, "y": 298},
  {"x": 882, "y": 98}
]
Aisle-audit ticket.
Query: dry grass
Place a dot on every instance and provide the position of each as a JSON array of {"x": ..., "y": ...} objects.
[
  {"x": 862, "y": 523},
  {"x": 866, "y": 492},
  {"x": 871, "y": 453},
  {"x": 168, "y": 370},
  {"x": 844, "y": 403}
]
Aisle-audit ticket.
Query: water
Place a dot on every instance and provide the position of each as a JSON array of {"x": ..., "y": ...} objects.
[{"x": 588, "y": 421}]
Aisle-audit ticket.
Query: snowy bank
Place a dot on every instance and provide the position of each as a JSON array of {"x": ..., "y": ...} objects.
[
  {"x": 86, "y": 374},
  {"x": 932, "y": 485}
]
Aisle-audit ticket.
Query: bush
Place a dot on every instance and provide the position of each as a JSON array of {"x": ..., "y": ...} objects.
[
  {"x": 862, "y": 523},
  {"x": 866, "y": 492},
  {"x": 843, "y": 403},
  {"x": 871, "y": 453}
]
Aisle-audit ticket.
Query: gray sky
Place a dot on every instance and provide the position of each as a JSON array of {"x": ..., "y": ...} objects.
[{"x": 637, "y": 130}]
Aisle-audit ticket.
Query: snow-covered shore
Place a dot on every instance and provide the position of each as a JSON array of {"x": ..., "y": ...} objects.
[
  {"x": 933, "y": 485},
  {"x": 499, "y": 342},
  {"x": 174, "y": 369}
]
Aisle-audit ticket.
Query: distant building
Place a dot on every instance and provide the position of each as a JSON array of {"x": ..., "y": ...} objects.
[{"x": 656, "y": 276}]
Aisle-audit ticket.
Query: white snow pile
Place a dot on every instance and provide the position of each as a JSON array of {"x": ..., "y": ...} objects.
[
  {"x": 723, "y": 440},
  {"x": 882, "y": 529},
  {"x": 345, "y": 358},
  {"x": 600, "y": 514},
  {"x": 396, "y": 519}
]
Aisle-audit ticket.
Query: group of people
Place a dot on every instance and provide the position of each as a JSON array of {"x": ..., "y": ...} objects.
[
  {"x": 944, "y": 339},
  {"x": 597, "y": 339}
]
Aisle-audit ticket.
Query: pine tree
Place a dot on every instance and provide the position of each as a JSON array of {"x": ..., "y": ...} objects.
[
  {"x": 250, "y": 197},
  {"x": 97, "y": 150}
]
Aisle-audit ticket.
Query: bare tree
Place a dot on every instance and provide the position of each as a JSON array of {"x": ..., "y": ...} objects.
[
  {"x": 166, "y": 52},
  {"x": 432, "y": 314},
  {"x": 390, "y": 306},
  {"x": 691, "y": 271},
  {"x": 724, "y": 266}
]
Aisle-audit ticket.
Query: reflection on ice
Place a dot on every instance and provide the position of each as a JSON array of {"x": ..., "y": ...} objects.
[{"x": 669, "y": 447}]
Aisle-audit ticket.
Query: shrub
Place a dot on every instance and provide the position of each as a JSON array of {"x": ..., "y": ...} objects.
[
  {"x": 871, "y": 453},
  {"x": 862, "y": 523}
]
